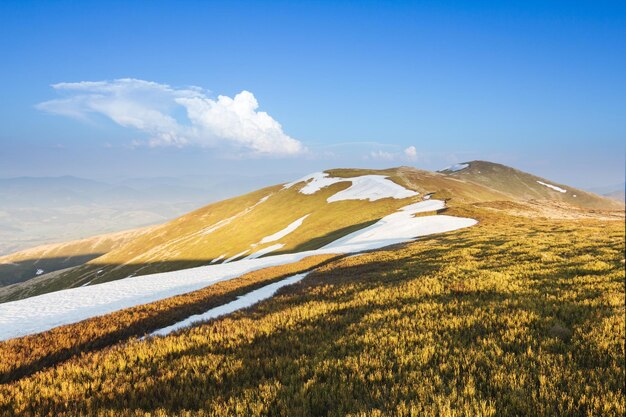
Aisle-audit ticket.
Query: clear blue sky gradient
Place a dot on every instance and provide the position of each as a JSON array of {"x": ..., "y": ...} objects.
[{"x": 540, "y": 85}]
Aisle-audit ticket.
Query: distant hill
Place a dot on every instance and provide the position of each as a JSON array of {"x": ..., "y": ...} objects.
[
  {"x": 520, "y": 185},
  {"x": 43, "y": 210},
  {"x": 619, "y": 195},
  {"x": 25, "y": 265}
]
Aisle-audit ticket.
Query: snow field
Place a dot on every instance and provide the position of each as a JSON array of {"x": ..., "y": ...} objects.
[
  {"x": 282, "y": 233},
  {"x": 243, "y": 301},
  {"x": 365, "y": 187},
  {"x": 43, "y": 312}
]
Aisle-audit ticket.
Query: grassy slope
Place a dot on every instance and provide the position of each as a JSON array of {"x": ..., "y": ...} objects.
[
  {"x": 31, "y": 287},
  {"x": 182, "y": 243},
  {"x": 22, "y": 265},
  {"x": 29, "y": 354},
  {"x": 516, "y": 316},
  {"x": 524, "y": 186}
]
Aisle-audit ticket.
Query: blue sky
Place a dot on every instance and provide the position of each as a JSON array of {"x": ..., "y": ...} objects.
[{"x": 104, "y": 89}]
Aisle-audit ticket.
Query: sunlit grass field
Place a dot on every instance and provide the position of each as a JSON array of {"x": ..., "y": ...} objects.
[{"x": 516, "y": 316}]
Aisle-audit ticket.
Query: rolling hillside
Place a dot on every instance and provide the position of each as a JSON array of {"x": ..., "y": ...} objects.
[
  {"x": 39, "y": 211},
  {"x": 304, "y": 215},
  {"x": 515, "y": 316},
  {"x": 27, "y": 270},
  {"x": 519, "y": 185},
  {"x": 276, "y": 219},
  {"x": 617, "y": 195},
  {"x": 347, "y": 292},
  {"x": 28, "y": 263}
]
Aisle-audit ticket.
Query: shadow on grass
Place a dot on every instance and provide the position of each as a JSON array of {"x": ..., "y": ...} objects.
[
  {"x": 153, "y": 321},
  {"x": 309, "y": 362},
  {"x": 20, "y": 271},
  {"x": 97, "y": 273}
]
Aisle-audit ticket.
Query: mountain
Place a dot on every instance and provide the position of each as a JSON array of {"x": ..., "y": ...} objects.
[
  {"x": 308, "y": 214},
  {"x": 43, "y": 210},
  {"x": 237, "y": 227},
  {"x": 608, "y": 189},
  {"x": 31, "y": 267},
  {"x": 519, "y": 185},
  {"x": 394, "y": 292},
  {"x": 54, "y": 191}
]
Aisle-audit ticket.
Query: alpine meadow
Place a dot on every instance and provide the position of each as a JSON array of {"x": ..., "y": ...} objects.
[
  {"x": 312, "y": 209},
  {"x": 519, "y": 314}
]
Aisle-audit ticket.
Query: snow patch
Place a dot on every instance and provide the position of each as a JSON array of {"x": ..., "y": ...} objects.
[
  {"x": 219, "y": 258},
  {"x": 284, "y": 232},
  {"x": 424, "y": 206},
  {"x": 219, "y": 225},
  {"x": 372, "y": 188},
  {"x": 240, "y": 254},
  {"x": 314, "y": 182},
  {"x": 262, "y": 200},
  {"x": 43, "y": 312},
  {"x": 243, "y": 301},
  {"x": 455, "y": 167},
  {"x": 264, "y": 251},
  {"x": 400, "y": 227},
  {"x": 554, "y": 187},
  {"x": 364, "y": 187}
]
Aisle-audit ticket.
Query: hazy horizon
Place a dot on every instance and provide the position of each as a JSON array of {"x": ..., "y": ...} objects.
[{"x": 287, "y": 175}]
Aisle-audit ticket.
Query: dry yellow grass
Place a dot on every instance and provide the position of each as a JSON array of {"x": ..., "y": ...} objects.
[
  {"x": 29, "y": 354},
  {"x": 516, "y": 316},
  {"x": 22, "y": 265}
]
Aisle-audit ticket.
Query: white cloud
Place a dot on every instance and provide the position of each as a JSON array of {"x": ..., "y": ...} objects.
[
  {"x": 383, "y": 155},
  {"x": 408, "y": 154},
  {"x": 233, "y": 123},
  {"x": 411, "y": 152}
]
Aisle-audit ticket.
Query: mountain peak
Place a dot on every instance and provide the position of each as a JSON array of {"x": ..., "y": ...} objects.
[{"x": 524, "y": 186}]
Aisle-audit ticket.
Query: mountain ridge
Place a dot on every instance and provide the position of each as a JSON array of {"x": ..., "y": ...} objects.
[
  {"x": 235, "y": 228},
  {"x": 523, "y": 185}
]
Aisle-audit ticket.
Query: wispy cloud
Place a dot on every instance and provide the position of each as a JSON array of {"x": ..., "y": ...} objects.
[
  {"x": 383, "y": 155},
  {"x": 408, "y": 154},
  {"x": 155, "y": 109}
]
